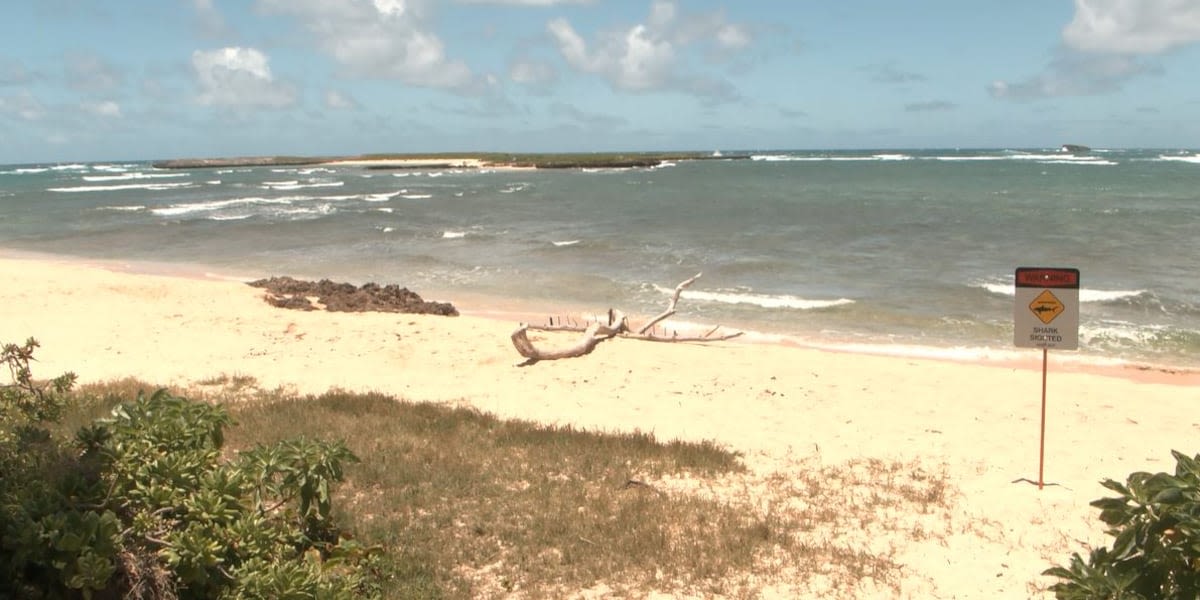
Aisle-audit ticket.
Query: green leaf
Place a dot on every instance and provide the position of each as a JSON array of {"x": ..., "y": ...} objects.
[
  {"x": 1110, "y": 503},
  {"x": 1170, "y": 495},
  {"x": 1116, "y": 487},
  {"x": 1125, "y": 544}
]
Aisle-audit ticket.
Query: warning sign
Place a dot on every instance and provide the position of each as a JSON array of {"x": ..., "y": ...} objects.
[
  {"x": 1046, "y": 312},
  {"x": 1046, "y": 306}
]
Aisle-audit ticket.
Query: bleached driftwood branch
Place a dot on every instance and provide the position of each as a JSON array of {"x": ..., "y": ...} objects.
[{"x": 617, "y": 326}]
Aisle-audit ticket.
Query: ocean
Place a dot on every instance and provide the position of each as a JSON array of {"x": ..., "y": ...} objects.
[{"x": 896, "y": 252}]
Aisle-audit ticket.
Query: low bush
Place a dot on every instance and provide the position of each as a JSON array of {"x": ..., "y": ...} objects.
[
  {"x": 143, "y": 504},
  {"x": 1155, "y": 554}
]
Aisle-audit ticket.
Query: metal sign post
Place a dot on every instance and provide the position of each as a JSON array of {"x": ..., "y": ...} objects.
[{"x": 1046, "y": 315}]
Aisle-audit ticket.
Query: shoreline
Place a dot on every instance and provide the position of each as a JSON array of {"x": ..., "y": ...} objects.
[
  {"x": 785, "y": 409},
  {"x": 513, "y": 311}
]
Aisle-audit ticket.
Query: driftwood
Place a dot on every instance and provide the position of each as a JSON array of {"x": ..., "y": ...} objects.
[{"x": 616, "y": 326}]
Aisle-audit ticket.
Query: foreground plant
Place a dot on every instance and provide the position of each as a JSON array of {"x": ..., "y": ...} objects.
[
  {"x": 1155, "y": 523},
  {"x": 144, "y": 505}
]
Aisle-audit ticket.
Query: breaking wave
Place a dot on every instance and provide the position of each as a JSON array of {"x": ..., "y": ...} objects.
[
  {"x": 762, "y": 300},
  {"x": 156, "y": 187}
]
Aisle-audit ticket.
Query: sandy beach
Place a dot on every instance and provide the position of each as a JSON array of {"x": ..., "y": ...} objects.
[{"x": 785, "y": 408}]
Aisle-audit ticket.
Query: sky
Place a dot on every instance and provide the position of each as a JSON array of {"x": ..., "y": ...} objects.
[{"x": 127, "y": 80}]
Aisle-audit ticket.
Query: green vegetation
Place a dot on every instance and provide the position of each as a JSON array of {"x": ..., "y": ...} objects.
[
  {"x": 143, "y": 504},
  {"x": 1155, "y": 524},
  {"x": 233, "y": 497}
]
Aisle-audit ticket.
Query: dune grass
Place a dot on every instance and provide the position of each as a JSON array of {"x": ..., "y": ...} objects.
[{"x": 467, "y": 505}]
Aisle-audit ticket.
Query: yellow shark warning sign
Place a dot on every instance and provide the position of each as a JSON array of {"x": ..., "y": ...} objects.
[
  {"x": 1046, "y": 306},
  {"x": 1046, "y": 311}
]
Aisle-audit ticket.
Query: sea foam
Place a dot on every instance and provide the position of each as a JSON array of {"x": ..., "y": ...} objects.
[
  {"x": 763, "y": 300},
  {"x": 1085, "y": 295},
  {"x": 157, "y": 187},
  {"x": 175, "y": 210},
  {"x": 134, "y": 175}
]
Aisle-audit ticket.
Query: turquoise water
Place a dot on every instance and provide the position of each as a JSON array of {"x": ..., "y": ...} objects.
[{"x": 897, "y": 251}]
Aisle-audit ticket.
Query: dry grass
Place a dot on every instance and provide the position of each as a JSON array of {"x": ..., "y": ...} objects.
[{"x": 471, "y": 506}]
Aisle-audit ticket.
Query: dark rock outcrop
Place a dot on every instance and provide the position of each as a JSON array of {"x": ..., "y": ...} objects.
[{"x": 287, "y": 292}]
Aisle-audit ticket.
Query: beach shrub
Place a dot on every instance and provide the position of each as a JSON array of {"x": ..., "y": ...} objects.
[
  {"x": 144, "y": 504},
  {"x": 1155, "y": 524}
]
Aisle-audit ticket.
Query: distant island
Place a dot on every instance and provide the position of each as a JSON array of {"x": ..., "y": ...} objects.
[{"x": 600, "y": 160}]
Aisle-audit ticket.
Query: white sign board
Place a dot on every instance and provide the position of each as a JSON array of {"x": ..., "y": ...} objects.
[{"x": 1046, "y": 311}]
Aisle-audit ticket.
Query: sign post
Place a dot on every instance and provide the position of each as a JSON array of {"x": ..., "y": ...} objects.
[{"x": 1046, "y": 315}]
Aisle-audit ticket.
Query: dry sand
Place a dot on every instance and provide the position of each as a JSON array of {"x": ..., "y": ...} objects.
[{"x": 785, "y": 408}]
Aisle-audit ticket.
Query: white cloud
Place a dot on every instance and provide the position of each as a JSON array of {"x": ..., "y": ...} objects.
[
  {"x": 733, "y": 37},
  {"x": 527, "y": 2},
  {"x": 1133, "y": 26},
  {"x": 209, "y": 20},
  {"x": 239, "y": 77},
  {"x": 340, "y": 101},
  {"x": 652, "y": 56},
  {"x": 1106, "y": 44},
  {"x": 104, "y": 108},
  {"x": 12, "y": 72},
  {"x": 92, "y": 74},
  {"x": 646, "y": 61},
  {"x": 386, "y": 39},
  {"x": 532, "y": 72},
  {"x": 1075, "y": 75},
  {"x": 24, "y": 105}
]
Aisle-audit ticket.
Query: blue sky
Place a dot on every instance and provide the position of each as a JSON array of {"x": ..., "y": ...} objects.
[{"x": 87, "y": 80}]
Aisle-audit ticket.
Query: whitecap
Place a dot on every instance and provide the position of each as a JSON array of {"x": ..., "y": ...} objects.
[
  {"x": 565, "y": 243},
  {"x": 113, "y": 168},
  {"x": 382, "y": 197},
  {"x": 1098, "y": 162},
  {"x": 416, "y": 196},
  {"x": 128, "y": 186},
  {"x": 130, "y": 208},
  {"x": 1086, "y": 295},
  {"x": 453, "y": 235},
  {"x": 763, "y": 300},
  {"x": 1194, "y": 159},
  {"x": 175, "y": 210},
  {"x": 318, "y": 210},
  {"x": 135, "y": 175},
  {"x": 1001, "y": 289},
  {"x": 794, "y": 158},
  {"x": 969, "y": 158},
  {"x": 296, "y": 185}
]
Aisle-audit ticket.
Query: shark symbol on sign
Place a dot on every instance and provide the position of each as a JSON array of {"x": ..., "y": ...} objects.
[{"x": 1046, "y": 307}]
